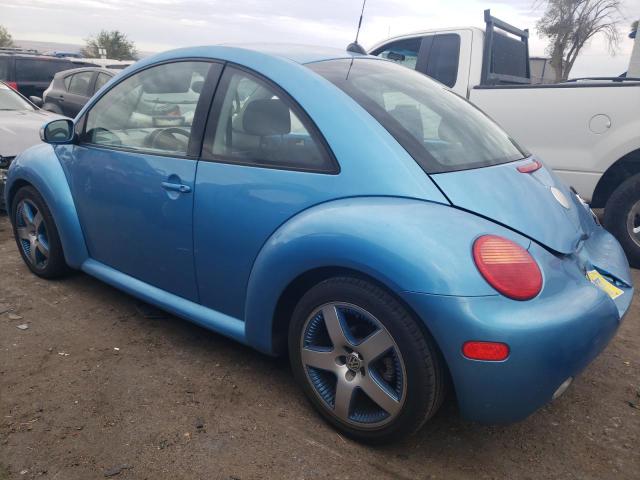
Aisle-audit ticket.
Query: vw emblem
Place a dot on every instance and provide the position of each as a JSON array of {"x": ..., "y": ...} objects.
[
  {"x": 559, "y": 196},
  {"x": 353, "y": 362}
]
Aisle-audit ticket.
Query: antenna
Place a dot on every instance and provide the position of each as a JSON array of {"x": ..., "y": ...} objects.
[
  {"x": 364, "y": 3},
  {"x": 355, "y": 47}
]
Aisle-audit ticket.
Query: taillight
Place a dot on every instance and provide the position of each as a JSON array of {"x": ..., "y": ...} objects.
[
  {"x": 507, "y": 267},
  {"x": 489, "y": 351},
  {"x": 13, "y": 85},
  {"x": 530, "y": 167}
]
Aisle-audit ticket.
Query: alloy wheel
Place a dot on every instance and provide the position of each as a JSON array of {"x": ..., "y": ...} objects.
[
  {"x": 353, "y": 365},
  {"x": 633, "y": 223},
  {"x": 32, "y": 234}
]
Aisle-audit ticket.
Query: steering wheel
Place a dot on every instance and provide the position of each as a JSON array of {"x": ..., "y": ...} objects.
[{"x": 164, "y": 139}]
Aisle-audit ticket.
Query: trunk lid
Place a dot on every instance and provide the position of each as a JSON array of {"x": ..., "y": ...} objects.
[{"x": 536, "y": 204}]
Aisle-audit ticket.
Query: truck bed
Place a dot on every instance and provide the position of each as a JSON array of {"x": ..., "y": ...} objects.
[{"x": 580, "y": 128}]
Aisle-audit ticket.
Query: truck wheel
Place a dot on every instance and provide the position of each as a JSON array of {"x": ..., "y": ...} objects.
[
  {"x": 622, "y": 218},
  {"x": 363, "y": 361}
]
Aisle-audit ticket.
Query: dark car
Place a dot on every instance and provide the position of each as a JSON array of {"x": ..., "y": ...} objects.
[
  {"x": 20, "y": 123},
  {"x": 31, "y": 74},
  {"x": 71, "y": 89}
]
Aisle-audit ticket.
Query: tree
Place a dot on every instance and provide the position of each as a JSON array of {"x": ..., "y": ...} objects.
[
  {"x": 6, "y": 40},
  {"x": 114, "y": 42},
  {"x": 569, "y": 24}
]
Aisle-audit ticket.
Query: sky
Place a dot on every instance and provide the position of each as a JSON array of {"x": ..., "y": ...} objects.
[{"x": 156, "y": 25}]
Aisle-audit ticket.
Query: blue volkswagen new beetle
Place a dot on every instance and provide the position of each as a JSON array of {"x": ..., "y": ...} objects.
[{"x": 338, "y": 208}]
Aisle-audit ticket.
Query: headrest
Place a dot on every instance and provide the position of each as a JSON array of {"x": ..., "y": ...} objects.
[
  {"x": 266, "y": 117},
  {"x": 409, "y": 117},
  {"x": 170, "y": 81}
]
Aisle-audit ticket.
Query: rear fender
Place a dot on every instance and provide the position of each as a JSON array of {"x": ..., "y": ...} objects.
[
  {"x": 40, "y": 167},
  {"x": 407, "y": 245}
]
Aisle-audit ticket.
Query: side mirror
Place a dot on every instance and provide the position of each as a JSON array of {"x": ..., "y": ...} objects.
[
  {"x": 58, "y": 132},
  {"x": 37, "y": 101}
]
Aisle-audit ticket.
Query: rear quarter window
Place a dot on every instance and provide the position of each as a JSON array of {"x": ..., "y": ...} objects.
[{"x": 440, "y": 130}]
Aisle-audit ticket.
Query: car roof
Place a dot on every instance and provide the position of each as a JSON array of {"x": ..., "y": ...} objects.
[
  {"x": 71, "y": 71},
  {"x": 280, "y": 63},
  {"x": 298, "y": 53},
  {"x": 422, "y": 33},
  {"x": 32, "y": 55}
]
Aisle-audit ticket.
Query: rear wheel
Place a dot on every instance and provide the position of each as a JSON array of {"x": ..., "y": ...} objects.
[
  {"x": 622, "y": 218},
  {"x": 363, "y": 360},
  {"x": 36, "y": 234}
]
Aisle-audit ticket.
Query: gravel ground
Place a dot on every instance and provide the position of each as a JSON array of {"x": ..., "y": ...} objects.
[{"x": 94, "y": 389}]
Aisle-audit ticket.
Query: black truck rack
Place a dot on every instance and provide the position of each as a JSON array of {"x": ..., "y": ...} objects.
[{"x": 505, "y": 59}]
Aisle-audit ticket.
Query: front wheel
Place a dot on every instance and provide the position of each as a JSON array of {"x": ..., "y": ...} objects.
[
  {"x": 622, "y": 218},
  {"x": 363, "y": 361},
  {"x": 36, "y": 234}
]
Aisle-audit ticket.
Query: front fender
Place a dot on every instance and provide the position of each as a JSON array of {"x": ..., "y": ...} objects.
[
  {"x": 407, "y": 245},
  {"x": 40, "y": 167}
]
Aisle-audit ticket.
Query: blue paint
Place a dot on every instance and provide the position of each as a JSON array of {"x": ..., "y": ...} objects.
[
  {"x": 222, "y": 253},
  {"x": 130, "y": 221},
  {"x": 194, "y": 312}
]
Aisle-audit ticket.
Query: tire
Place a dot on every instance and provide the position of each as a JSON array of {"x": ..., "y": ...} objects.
[
  {"x": 36, "y": 234},
  {"x": 622, "y": 214},
  {"x": 407, "y": 377}
]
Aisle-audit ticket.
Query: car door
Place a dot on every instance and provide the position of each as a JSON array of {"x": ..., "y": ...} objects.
[
  {"x": 78, "y": 92},
  {"x": 132, "y": 173},
  {"x": 263, "y": 161}
]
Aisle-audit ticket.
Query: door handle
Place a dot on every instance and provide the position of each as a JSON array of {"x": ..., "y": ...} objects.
[{"x": 176, "y": 187}]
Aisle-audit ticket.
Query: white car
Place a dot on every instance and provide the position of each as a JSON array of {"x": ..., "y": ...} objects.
[
  {"x": 20, "y": 122},
  {"x": 588, "y": 131}
]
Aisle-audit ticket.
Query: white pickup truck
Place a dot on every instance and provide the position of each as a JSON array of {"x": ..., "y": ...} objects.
[{"x": 588, "y": 131}]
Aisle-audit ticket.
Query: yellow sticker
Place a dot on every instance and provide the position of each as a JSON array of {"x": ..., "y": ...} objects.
[{"x": 599, "y": 281}]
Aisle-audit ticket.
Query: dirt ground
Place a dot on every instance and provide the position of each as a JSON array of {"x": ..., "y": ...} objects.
[{"x": 94, "y": 389}]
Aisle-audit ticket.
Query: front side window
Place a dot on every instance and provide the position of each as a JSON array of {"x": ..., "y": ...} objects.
[
  {"x": 79, "y": 83},
  {"x": 404, "y": 52},
  {"x": 152, "y": 110},
  {"x": 440, "y": 130},
  {"x": 257, "y": 125}
]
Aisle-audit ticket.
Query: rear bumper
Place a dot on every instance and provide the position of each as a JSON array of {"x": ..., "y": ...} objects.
[{"x": 551, "y": 338}]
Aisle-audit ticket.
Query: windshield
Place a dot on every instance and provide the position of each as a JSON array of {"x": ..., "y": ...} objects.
[
  {"x": 10, "y": 100},
  {"x": 440, "y": 130}
]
